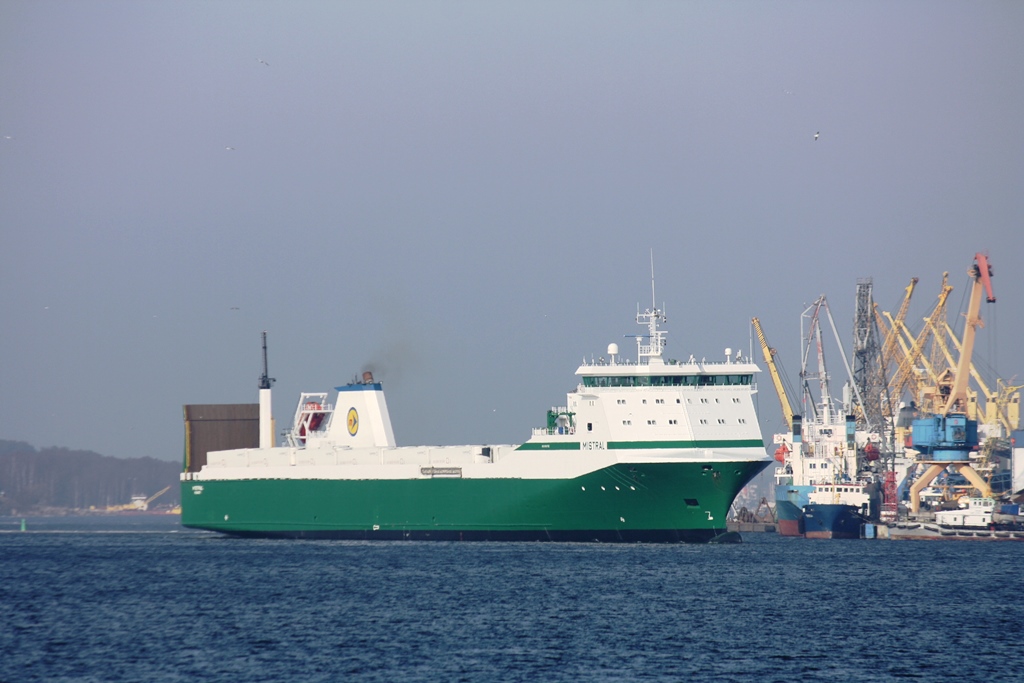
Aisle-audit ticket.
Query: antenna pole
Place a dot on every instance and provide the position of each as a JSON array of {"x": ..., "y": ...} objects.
[
  {"x": 265, "y": 379},
  {"x": 654, "y": 300}
]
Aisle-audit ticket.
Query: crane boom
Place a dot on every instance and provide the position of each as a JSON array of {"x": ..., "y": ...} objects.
[
  {"x": 905, "y": 373},
  {"x": 998, "y": 402},
  {"x": 891, "y": 339},
  {"x": 981, "y": 272},
  {"x": 155, "y": 496},
  {"x": 769, "y": 359}
]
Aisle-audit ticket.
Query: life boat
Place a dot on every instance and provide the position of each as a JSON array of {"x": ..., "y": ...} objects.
[
  {"x": 871, "y": 452},
  {"x": 316, "y": 418},
  {"x": 781, "y": 452}
]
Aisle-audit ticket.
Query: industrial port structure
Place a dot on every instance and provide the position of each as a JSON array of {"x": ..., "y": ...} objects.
[{"x": 920, "y": 398}]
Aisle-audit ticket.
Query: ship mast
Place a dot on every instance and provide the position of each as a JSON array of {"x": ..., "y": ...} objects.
[
  {"x": 650, "y": 317},
  {"x": 266, "y": 405},
  {"x": 265, "y": 379}
]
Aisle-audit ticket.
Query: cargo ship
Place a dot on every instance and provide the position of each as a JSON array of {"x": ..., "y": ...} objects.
[
  {"x": 822, "y": 489},
  {"x": 645, "y": 450},
  {"x": 829, "y": 482}
]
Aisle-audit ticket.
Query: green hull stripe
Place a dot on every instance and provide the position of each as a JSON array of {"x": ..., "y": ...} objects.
[
  {"x": 706, "y": 443},
  {"x": 631, "y": 445},
  {"x": 622, "y": 497}
]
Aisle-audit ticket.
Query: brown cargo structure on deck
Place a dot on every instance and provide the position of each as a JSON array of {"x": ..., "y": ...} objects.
[{"x": 219, "y": 427}]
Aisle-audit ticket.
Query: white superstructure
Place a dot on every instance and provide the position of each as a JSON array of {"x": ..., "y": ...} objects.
[{"x": 649, "y": 410}]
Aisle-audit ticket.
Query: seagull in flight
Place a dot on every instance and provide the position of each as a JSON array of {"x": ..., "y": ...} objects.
[
  {"x": 230, "y": 149},
  {"x": 262, "y": 62},
  {"x": 817, "y": 134}
]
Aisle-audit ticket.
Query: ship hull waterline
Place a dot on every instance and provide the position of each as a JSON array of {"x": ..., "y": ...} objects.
[
  {"x": 832, "y": 520},
  {"x": 789, "y": 503},
  {"x": 651, "y": 502}
]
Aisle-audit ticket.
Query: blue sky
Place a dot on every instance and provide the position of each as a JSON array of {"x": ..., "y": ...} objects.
[{"x": 465, "y": 196}]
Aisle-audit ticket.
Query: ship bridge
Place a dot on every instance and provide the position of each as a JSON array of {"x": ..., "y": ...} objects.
[{"x": 652, "y": 370}]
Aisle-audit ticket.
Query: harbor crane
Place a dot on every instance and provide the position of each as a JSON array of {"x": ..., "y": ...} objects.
[{"x": 947, "y": 437}]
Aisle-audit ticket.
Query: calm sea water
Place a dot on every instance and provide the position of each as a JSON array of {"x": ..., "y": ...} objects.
[{"x": 144, "y": 600}]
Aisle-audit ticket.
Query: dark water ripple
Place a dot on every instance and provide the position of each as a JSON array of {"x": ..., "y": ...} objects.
[{"x": 99, "y": 606}]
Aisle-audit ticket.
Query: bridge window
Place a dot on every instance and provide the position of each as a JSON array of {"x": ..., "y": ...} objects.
[{"x": 667, "y": 380}]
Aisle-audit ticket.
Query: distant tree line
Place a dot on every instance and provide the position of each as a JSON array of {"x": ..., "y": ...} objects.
[{"x": 33, "y": 480}]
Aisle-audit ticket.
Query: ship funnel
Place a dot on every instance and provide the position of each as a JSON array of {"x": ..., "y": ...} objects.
[{"x": 367, "y": 377}]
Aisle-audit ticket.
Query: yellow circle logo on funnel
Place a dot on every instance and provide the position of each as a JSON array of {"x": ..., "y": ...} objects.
[{"x": 353, "y": 421}]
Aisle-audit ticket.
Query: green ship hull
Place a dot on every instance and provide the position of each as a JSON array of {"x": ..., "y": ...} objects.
[{"x": 644, "y": 502}]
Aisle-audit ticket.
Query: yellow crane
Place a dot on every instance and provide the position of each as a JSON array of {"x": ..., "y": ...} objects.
[
  {"x": 892, "y": 337},
  {"x": 906, "y": 377},
  {"x": 145, "y": 504},
  {"x": 139, "y": 502},
  {"x": 892, "y": 334},
  {"x": 1002, "y": 406},
  {"x": 769, "y": 359}
]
